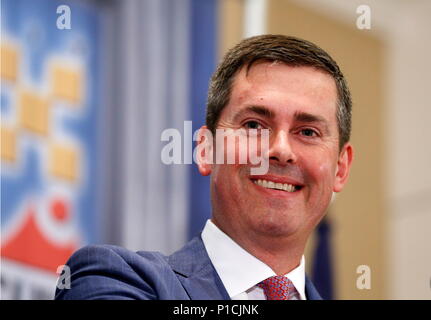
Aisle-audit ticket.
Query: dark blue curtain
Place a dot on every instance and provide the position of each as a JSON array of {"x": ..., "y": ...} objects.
[
  {"x": 322, "y": 270},
  {"x": 203, "y": 58}
]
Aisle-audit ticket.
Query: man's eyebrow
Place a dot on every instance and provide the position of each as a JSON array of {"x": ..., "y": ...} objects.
[
  {"x": 260, "y": 110},
  {"x": 311, "y": 118}
]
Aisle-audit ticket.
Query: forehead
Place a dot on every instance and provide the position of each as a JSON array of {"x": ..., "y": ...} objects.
[{"x": 283, "y": 89}]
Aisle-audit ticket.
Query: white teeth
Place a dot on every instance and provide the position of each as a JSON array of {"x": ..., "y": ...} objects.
[{"x": 272, "y": 185}]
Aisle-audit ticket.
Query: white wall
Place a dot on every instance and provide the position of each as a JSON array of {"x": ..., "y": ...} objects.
[{"x": 409, "y": 150}]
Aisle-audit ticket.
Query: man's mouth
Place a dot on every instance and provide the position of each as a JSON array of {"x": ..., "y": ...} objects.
[{"x": 277, "y": 185}]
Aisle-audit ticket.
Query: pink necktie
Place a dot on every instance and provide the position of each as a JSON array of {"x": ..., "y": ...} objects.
[{"x": 278, "y": 288}]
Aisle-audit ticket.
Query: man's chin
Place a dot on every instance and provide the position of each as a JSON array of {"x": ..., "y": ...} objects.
[{"x": 277, "y": 228}]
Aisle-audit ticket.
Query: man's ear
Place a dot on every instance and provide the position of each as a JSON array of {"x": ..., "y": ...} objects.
[
  {"x": 204, "y": 151},
  {"x": 343, "y": 167}
]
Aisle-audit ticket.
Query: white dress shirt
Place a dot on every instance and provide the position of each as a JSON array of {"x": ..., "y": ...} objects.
[{"x": 240, "y": 271}]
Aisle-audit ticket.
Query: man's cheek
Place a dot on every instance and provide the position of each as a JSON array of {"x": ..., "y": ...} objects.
[
  {"x": 320, "y": 173},
  {"x": 225, "y": 179},
  {"x": 326, "y": 175},
  {"x": 258, "y": 152},
  {"x": 321, "y": 166}
]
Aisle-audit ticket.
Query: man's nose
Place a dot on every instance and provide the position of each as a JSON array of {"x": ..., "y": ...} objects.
[{"x": 281, "y": 149}]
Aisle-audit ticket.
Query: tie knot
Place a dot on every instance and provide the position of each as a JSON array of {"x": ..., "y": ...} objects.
[{"x": 278, "y": 288}]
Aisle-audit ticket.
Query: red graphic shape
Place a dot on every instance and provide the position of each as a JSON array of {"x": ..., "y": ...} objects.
[
  {"x": 28, "y": 245},
  {"x": 59, "y": 210}
]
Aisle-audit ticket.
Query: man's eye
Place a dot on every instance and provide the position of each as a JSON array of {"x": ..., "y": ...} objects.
[
  {"x": 253, "y": 125},
  {"x": 309, "y": 132}
]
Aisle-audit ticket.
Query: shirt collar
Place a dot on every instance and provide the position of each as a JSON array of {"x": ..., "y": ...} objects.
[{"x": 229, "y": 260}]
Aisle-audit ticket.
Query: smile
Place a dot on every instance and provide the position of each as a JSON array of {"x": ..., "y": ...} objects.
[{"x": 276, "y": 185}]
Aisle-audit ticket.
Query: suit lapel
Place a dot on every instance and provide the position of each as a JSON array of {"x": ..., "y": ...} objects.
[
  {"x": 204, "y": 286},
  {"x": 311, "y": 291},
  {"x": 196, "y": 273}
]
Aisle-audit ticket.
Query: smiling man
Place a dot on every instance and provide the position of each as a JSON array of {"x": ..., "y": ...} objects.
[{"x": 253, "y": 246}]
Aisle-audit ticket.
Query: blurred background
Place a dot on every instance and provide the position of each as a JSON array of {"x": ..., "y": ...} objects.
[{"x": 88, "y": 86}]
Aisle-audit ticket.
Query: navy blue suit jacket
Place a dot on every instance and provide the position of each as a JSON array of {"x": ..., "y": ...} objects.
[{"x": 111, "y": 272}]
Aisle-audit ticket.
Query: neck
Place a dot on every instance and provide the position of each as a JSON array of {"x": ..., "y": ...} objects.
[{"x": 281, "y": 254}]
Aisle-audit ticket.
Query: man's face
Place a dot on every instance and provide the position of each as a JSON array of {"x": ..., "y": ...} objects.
[{"x": 298, "y": 107}]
